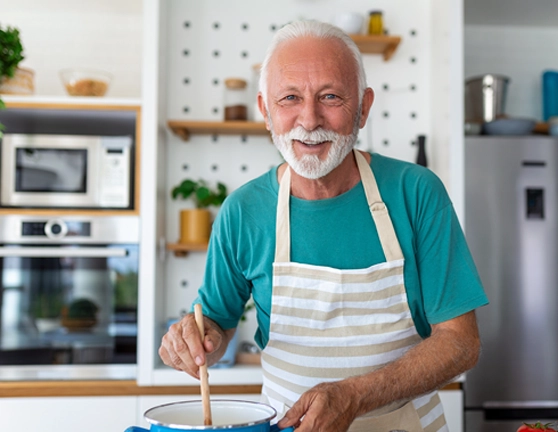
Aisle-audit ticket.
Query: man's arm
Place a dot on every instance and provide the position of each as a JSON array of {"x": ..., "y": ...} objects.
[{"x": 452, "y": 348}]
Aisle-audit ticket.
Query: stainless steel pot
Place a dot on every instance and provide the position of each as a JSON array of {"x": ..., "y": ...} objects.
[
  {"x": 485, "y": 97},
  {"x": 232, "y": 415}
]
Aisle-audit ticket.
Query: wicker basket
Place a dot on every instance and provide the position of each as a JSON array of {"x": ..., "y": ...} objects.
[{"x": 22, "y": 83}]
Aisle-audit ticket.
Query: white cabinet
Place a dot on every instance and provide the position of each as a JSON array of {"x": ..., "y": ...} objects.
[
  {"x": 452, "y": 400},
  {"x": 68, "y": 414}
]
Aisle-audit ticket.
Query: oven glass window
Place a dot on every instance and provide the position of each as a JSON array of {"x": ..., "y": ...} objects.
[
  {"x": 51, "y": 170},
  {"x": 69, "y": 309}
]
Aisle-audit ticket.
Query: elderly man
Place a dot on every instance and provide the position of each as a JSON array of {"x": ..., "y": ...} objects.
[{"x": 364, "y": 287}]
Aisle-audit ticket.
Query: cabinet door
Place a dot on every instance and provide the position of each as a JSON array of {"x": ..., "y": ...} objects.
[
  {"x": 452, "y": 400},
  {"x": 68, "y": 414}
]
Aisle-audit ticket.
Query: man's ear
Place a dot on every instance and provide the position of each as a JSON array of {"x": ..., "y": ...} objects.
[
  {"x": 367, "y": 101},
  {"x": 263, "y": 110}
]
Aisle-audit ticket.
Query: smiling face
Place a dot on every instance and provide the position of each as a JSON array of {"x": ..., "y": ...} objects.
[{"x": 313, "y": 106}]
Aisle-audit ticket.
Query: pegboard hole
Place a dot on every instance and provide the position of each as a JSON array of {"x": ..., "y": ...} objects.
[
  {"x": 413, "y": 32},
  {"x": 245, "y": 26},
  {"x": 186, "y": 109},
  {"x": 413, "y": 87},
  {"x": 244, "y": 168},
  {"x": 385, "y": 114},
  {"x": 385, "y": 87},
  {"x": 244, "y": 138},
  {"x": 216, "y": 53},
  {"x": 186, "y": 80},
  {"x": 186, "y": 52},
  {"x": 385, "y": 142},
  {"x": 214, "y": 138},
  {"x": 216, "y": 25},
  {"x": 185, "y": 167},
  {"x": 214, "y": 167},
  {"x": 184, "y": 283},
  {"x": 413, "y": 115},
  {"x": 413, "y": 60},
  {"x": 273, "y": 27},
  {"x": 187, "y": 24}
]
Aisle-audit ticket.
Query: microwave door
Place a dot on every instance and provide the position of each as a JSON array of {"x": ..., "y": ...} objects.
[{"x": 51, "y": 172}]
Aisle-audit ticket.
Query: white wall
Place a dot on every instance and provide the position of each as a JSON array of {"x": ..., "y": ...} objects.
[
  {"x": 521, "y": 53},
  {"x": 100, "y": 34}
]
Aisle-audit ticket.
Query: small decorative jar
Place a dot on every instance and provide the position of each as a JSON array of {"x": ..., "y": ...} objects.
[
  {"x": 236, "y": 97},
  {"x": 375, "y": 23}
]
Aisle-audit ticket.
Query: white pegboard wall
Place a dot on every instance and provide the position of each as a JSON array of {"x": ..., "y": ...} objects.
[{"x": 211, "y": 40}]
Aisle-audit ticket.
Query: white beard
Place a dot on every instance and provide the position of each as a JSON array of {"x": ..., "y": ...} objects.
[{"x": 310, "y": 166}]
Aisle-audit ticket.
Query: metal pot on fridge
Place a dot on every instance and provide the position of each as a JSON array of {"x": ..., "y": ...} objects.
[{"x": 485, "y": 98}]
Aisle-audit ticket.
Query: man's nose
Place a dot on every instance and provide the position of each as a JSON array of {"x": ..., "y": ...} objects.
[{"x": 310, "y": 115}]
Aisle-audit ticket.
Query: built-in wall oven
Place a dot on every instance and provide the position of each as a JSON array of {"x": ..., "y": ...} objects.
[{"x": 68, "y": 290}]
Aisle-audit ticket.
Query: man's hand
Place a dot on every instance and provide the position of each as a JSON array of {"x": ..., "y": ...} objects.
[
  {"x": 327, "y": 407},
  {"x": 182, "y": 349}
]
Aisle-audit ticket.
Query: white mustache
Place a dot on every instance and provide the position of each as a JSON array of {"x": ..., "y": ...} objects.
[{"x": 311, "y": 137}]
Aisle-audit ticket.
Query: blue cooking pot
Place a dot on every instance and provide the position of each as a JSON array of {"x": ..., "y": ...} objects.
[{"x": 232, "y": 415}]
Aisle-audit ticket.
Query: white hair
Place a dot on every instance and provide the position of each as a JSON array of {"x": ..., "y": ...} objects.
[{"x": 318, "y": 30}]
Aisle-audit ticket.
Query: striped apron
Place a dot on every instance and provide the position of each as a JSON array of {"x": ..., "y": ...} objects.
[{"x": 328, "y": 324}]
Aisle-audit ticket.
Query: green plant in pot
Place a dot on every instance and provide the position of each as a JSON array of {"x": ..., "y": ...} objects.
[
  {"x": 195, "y": 224},
  {"x": 11, "y": 54}
]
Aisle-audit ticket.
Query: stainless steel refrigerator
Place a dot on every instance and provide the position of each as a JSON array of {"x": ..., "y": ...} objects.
[{"x": 511, "y": 223}]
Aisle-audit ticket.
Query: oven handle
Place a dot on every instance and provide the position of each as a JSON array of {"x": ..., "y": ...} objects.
[{"x": 47, "y": 252}]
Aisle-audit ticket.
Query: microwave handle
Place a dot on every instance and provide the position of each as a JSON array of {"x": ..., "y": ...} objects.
[{"x": 44, "y": 252}]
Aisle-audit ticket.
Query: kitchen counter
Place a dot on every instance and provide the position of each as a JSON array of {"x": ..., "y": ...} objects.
[{"x": 122, "y": 388}]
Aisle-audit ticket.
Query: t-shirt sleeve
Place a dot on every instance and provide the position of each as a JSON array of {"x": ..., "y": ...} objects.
[
  {"x": 448, "y": 276},
  {"x": 224, "y": 291}
]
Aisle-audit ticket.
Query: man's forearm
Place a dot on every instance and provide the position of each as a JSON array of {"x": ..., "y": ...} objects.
[{"x": 450, "y": 350}]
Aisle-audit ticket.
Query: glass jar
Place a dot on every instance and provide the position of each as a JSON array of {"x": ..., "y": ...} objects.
[
  {"x": 376, "y": 23},
  {"x": 235, "y": 99}
]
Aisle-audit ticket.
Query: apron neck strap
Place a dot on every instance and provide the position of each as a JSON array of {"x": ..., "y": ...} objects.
[{"x": 378, "y": 209}]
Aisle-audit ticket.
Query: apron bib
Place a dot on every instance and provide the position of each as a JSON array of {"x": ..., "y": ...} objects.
[{"x": 328, "y": 324}]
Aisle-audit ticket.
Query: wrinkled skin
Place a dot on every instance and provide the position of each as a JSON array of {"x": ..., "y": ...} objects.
[{"x": 182, "y": 349}]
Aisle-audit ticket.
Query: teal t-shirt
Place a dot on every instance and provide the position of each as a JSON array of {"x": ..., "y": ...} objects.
[{"x": 440, "y": 277}]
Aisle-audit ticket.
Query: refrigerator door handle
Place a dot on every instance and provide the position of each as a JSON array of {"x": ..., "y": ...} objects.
[{"x": 520, "y": 410}]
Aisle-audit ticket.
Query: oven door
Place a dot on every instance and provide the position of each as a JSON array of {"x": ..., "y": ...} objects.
[{"x": 68, "y": 304}]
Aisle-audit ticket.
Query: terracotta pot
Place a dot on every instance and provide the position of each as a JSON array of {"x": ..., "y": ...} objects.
[
  {"x": 195, "y": 226},
  {"x": 21, "y": 83}
]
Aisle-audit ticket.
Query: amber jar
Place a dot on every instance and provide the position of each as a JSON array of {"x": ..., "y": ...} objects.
[
  {"x": 235, "y": 99},
  {"x": 376, "y": 23}
]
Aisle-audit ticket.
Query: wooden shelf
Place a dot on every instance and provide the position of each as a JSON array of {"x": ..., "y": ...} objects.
[
  {"x": 377, "y": 44},
  {"x": 182, "y": 249},
  {"x": 186, "y": 128}
]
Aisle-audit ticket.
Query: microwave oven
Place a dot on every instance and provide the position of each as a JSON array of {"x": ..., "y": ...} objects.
[{"x": 66, "y": 171}]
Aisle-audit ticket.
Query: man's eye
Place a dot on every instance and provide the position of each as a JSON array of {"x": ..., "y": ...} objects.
[
  {"x": 330, "y": 96},
  {"x": 290, "y": 98}
]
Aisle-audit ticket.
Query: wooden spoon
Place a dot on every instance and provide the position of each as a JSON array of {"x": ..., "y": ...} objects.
[{"x": 204, "y": 384}]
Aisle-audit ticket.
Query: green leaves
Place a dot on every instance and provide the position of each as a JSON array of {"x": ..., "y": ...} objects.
[
  {"x": 202, "y": 195},
  {"x": 11, "y": 51}
]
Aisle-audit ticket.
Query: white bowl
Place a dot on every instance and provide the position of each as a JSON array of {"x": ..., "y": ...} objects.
[{"x": 349, "y": 22}]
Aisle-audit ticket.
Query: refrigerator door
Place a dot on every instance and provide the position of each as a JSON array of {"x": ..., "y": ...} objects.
[{"x": 511, "y": 223}]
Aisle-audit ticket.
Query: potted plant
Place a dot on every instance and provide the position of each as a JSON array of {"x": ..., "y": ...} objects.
[
  {"x": 195, "y": 224},
  {"x": 13, "y": 80}
]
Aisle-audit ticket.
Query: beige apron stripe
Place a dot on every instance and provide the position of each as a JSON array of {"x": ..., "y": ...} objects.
[
  {"x": 379, "y": 211},
  {"x": 364, "y": 330},
  {"x": 429, "y": 406},
  {"x": 282, "y": 227},
  {"x": 318, "y": 315},
  {"x": 316, "y": 295},
  {"x": 348, "y": 351},
  {"x": 436, "y": 425},
  {"x": 323, "y": 374},
  {"x": 342, "y": 278},
  {"x": 287, "y": 384},
  {"x": 272, "y": 394}
]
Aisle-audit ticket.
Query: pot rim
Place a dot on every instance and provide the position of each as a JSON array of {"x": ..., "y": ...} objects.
[{"x": 211, "y": 427}]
